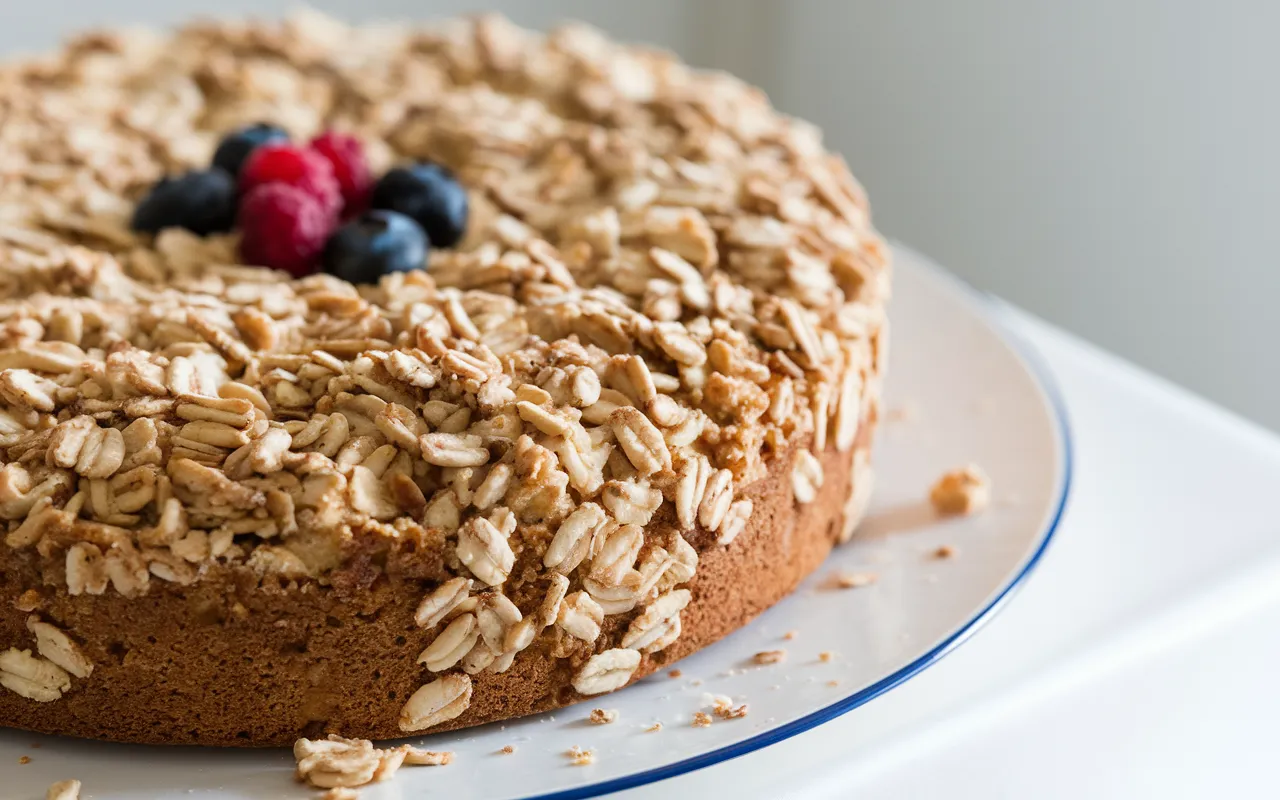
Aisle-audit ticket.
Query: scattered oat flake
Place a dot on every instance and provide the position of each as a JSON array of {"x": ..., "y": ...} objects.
[
  {"x": 945, "y": 551},
  {"x": 508, "y": 750},
  {"x": 855, "y": 580},
  {"x": 770, "y": 656},
  {"x": 675, "y": 673},
  {"x": 833, "y": 683},
  {"x": 701, "y": 719},
  {"x": 579, "y": 757},
  {"x": 654, "y": 728},
  {"x": 24, "y": 759},
  {"x": 64, "y": 790},
  {"x": 603, "y": 716},
  {"x": 826, "y": 656},
  {"x": 962, "y": 491},
  {"x": 725, "y": 709},
  {"x": 790, "y": 635},
  {"x": 341, "y": 793}
]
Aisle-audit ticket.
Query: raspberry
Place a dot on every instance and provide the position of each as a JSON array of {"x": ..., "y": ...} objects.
[
  {"x": 346, "y": 155},
  {"x": 283, "y": 227},
  {"x": 290, "y": 164}
]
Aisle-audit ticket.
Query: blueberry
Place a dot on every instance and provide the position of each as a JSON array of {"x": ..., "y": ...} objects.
[
  {"x": 236, "y": 146},
  {"x": 374, "y": 244},
  {"x": 203, "y": 202},
  {"x": 431, "y": 195}
]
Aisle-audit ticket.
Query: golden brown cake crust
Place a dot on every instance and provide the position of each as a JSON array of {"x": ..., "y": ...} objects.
[
  {"x": 615, "y": 421},
  {"x": 183, "y": 668}
]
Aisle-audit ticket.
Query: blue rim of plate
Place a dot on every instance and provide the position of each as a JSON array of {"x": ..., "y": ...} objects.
[{"x": 997, "y": 316}]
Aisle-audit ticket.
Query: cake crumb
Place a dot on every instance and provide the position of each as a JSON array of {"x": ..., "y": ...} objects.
[
  {"x": 341, "y": 793},
  {"x": 24, "y": 759},
  {"x": 724, "y": 708},
  {"x": 508, "y": 750},
  {"x": 945, "y": 551},
  {"x": 602, "y": 716},
  {"x": 64, "y": 790},
  {"x": 825, "y": 656},
  {"x": 579, "y": 757},
  {"x": 855, "y": 580},
  {"x": 770, "y": 656},
  {"x": 701, "y": 719},
  {"x": 675, "y": 673},
  {"x": 654, "y": 728},
  {"x": 790, "y": 635},
  {"x": 833, "y": 683},
  {"x": 961, "y": 491}
]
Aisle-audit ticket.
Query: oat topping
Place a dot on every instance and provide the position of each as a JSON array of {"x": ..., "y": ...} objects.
[
  {"x": 664, "y": 286},
  {"x": 961, "y": 491}
]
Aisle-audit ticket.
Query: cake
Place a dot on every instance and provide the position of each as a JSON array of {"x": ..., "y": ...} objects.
[{"x": 627, "y": 411}]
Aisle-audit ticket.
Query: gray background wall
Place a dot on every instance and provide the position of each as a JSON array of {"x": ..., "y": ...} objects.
[{"x": 1108, "y": 164}]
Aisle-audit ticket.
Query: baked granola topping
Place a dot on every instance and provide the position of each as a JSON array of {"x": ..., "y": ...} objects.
[{"x": 663, "y": 285}]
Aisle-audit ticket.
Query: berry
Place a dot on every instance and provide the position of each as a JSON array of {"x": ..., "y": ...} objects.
[
  {"x": 430, "y": 195},
  {"x": 236, "y": 146},
  {"x": 202, "y": 202},
  {"x": 296, "y": 166},
  {"x": 283, "y": 227},
  {"x": 374, "y": 244},
  {"x": 346, "y": 155}
]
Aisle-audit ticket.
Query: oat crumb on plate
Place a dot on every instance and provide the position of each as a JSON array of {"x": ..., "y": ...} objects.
[
  {"x": 603, "y": 716},
  {"x": 725, "y": 709},
  {"x": 701, "y": 719},
  {"x": 508, "y": 750},
  {"x": 962, "y": 491},
  {"x": 654, "y": 728},
  {"x": 341, "y": 793},
  {"x": 770, "y": 656},
  {"x": 675, "y": 673},
  {"x": 855, "y": 580},
  {"x": 945, "y": 551},
  {"x": 24, "y": 759},
  {"x": 64, "y": 790},
  {"x": 790, "y": 635},
  {"x": 579, "y": 757},
  {"x": 826, "y": 656}
]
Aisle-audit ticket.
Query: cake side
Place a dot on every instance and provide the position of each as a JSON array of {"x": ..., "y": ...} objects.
[
  {"x": 187, "y": 667},
  {"x": 555, "y": 459}
]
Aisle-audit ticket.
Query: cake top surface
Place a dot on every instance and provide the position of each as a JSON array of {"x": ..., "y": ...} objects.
[{"x": 663, "y": 284}]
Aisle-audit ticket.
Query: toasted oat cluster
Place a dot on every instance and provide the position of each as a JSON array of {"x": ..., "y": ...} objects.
[{"x": 663, "y": 285}]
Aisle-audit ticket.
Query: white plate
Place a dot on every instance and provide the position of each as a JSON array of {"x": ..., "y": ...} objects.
[{"x": 969, "y": 393}]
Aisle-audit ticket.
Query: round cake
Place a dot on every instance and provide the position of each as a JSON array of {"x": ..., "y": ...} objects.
[{"x": 388, "y": 379}]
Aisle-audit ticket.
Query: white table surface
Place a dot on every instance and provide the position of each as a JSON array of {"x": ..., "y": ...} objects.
[{"x": 1139, "y": 659}]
